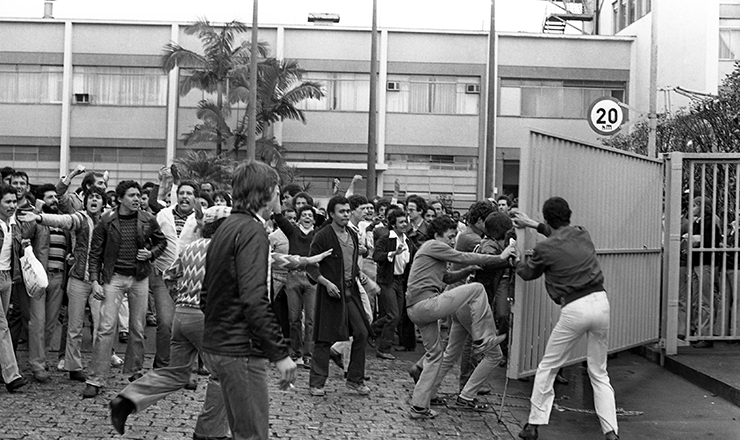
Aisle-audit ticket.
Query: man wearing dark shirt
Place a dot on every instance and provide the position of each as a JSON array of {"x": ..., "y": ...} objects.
[
  {"x": 573, "y": 279},
  {"x": 240, "y": 332}
]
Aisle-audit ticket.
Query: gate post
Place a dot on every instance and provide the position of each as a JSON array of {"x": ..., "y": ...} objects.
[{"x": 671, "y": 253}]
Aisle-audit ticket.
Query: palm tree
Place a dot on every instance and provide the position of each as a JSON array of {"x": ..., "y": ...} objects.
[{"x": 211, "y": 70}]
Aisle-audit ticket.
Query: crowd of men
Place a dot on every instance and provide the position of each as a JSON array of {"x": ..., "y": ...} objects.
[{"x": 273, "y": 279}]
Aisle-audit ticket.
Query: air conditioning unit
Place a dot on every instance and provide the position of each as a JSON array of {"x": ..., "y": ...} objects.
[
  {"x": 393, "y": 86},
  {"x": 82, "y": 98},
  {"x": 472, "y": 88}
]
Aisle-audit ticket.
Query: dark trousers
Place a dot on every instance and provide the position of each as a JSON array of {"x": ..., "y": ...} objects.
[
  {"x": 392, "y": 302},
  {"x": 19, "y": 313},
  {"x": 406, "y": 330},
  {"x": 321, "y": 349},
  {"x": 280, "y": 308}
]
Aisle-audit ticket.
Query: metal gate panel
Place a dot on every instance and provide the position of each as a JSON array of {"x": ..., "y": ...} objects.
[{"x": 617, "y": 197}]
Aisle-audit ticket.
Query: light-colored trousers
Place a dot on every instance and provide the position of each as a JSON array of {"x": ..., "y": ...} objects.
[{"x": 587, "y": 316}]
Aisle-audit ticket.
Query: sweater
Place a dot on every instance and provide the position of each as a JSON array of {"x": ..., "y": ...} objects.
[{"x": 428, "y": 270}]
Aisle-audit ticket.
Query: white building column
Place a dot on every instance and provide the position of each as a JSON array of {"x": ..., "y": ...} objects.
[
  {"x": 382, "y": 81},
  {"x": 67, "y": 76},
  {"x": 172, "y": 102}
]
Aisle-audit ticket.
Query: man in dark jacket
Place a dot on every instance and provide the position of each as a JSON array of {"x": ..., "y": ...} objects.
[
  {"x": 240, "y": 332},
  {"x": 573, "y": 279},
  {"x": 125, "y": 242},
  {"x": 339, "y": 310}
]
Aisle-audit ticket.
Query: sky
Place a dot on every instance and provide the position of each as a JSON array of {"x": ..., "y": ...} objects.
[{"x": 472, "y": 15}]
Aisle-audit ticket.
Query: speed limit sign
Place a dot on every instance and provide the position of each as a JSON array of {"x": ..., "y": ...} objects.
[{"x": 605, "y": 116}]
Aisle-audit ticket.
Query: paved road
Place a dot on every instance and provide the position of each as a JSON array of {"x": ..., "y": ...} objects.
[{"x": 55, "y": 410}]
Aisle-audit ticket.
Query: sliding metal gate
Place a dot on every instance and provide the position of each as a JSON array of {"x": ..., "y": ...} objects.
[{"x": 617, "y": 197}]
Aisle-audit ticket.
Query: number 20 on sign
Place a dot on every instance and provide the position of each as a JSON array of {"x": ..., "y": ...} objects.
[{"x": 605, "y": 116}]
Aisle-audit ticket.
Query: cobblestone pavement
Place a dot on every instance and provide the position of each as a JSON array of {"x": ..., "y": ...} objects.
[{"x": 55, "y": 410}]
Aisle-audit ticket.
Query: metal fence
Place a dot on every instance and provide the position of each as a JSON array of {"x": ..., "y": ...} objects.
[{"x": 618, "y": 198}]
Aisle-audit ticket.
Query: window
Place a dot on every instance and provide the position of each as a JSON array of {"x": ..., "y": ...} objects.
[
  {"x": 343, "y": 92},
  {"x": 30, "y": 84},
  {"x": 553, "y": 99},
  {"x": 433, "y": 162},
  {"x": 433, "y": 94},
  {"x": 626, "y": 12},
  {"x": 125, "y": 86},
  {"x": 729, "y": 44}
]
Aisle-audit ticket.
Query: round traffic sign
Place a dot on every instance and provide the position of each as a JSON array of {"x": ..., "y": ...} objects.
[{"x": 605, "y": 116}]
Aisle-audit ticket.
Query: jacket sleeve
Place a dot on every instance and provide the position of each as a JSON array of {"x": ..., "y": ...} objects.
[
  {"x": 318, "y": 245},
  {"x": 95, "y": 258},
  {"x": 65, "y": 197},
  {"x": 489, "y": 248},
  {"x": 380, "y": 254},
  {"x": 251, "y": 253},
  {"x": 533, "y": 266},
  {"x": 69, "y": 222},
  {"x": 449, "y": 255},
  {"x": 159, "y": 242},
  {"x": 283, "y": 224},
  {"x": 40, "y": 243}
]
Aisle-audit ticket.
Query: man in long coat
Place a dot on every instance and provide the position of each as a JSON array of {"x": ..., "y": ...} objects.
[{"x": 339, "y": 312}]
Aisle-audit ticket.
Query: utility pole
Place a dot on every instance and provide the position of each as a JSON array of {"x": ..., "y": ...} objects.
[
  {"x": 490, "y": 153},
  {"x": 653, "y": 103},
  {"x": 372, "y": 126},
  {"x": 252, "y": 105}
]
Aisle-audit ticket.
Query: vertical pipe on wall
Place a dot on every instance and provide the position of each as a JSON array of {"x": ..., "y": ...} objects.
[
  {"x": 64, "y": 143},
  {"x": 382, "y": 98},
  {"x": 490, "y": 151},
  {"x": 372, "y": 126}
]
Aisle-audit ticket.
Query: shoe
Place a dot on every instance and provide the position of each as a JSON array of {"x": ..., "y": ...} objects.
[
  {"x": 704, "y": 344},
  {"x": 90, "y": 391},
  {"x": 385, "y": 355},
  {"x": 123, "y": 337},
  {"x": 307, "y": 362},
  {"x": 317, "y": 392},
  {"x": 473, "y": 404},
  {"x": 415, "y": 372},
  {"x": 372, "y": 342},
  {"x": 438, "y": 401},
  {"x": 115, "y": 361},
  {"x": 424, "y": 413},
  {"x": 135, "y": 376},
  {"x": 529, "y": 432},
  {"x": 120, "y": 408},
  {"x": 60, "y": 365},
  {"x": 79, "y": 376},
  {"x": 336, "y": 357},
  {"x": 192, "y": 385},
  {"x": 487, "y": 344},
  {"x": 611, "y": 435},
  {"x": 15, "y": 384},
  {"x": 561, "y": 380},
  {"x": 361, "y": 388},
  {"x": 151, "y": 321},
  {"x": 42, "y": 376}
]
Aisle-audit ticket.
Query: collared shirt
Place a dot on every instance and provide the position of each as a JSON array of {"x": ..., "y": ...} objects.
[
  {"x": 399, "y": 260},
  {"x": 6, "y": 251}
]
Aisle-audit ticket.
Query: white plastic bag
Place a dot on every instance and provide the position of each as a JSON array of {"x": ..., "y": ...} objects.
[{"x": 34, "y": 275}]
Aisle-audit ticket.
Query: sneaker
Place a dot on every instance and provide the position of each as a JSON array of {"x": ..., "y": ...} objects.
[
  {"x": 385, "y": 355},
  {"x": 15, "y": 384},
  {"x": 316, "y": 392},
  {"x": 488, "y": 344},
  {"x": 424, "y": 413},
  {"x": 307, "y": 362},
  {"x": 151, "y": 321},
  {"x": 438, "y": 401},
  {"x": 42, "y": 376},
  {"x": 473, "y": 404},
  {"x": 123, "y": 337},
  {"x": 120, "y": 408},
  {"x": 529, "y": 432},
  {"x": 90, "y": 391},
  {"x": 361, "y": 388},
  {"x": 136, "y": 376},
  {"x": 60, "y": 365},
  {"x": 115, "y": 361}
]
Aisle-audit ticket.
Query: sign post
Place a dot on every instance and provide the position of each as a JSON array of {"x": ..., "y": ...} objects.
[{"x": 605, "y": 116}]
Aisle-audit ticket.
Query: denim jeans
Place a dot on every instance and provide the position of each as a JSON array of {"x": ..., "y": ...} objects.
[
  {"x": 587, "y": 316},
  {"x": 244, "y": 391},
  {"x": 459, "y": 333},
  {"x": 123, "y": 315},
  {"x": 165, "y": 305},
  {"x": 391, "y": 302},
  {"x": 8, "y": 361},
  {"x": 301, "y": 298},
  {"x": 427, "y": 313},
  {"x": 137, "y": 298},
  {"x": 19, "y": 313},
  {"x": 79, "y": 293},
  {"x": 187, "y": 341},
  {"x": 44, "y": 320}
]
